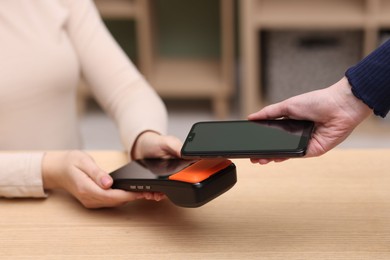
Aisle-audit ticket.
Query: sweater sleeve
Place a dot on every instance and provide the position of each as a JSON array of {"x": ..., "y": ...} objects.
[
  {"x": 370, "y": 80},
  {"x": 117, "y": 85},
  {"x": 21, "y": 175}
]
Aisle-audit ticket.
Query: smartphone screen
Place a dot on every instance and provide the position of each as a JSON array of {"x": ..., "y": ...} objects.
[{"x": 248, "y": 139}]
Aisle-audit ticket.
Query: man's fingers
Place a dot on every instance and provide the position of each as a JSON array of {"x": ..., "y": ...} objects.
[{"x": 269, "y": 112}]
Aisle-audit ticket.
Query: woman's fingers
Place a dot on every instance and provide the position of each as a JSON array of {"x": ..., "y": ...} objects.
[{"x": 89, "y": 167}]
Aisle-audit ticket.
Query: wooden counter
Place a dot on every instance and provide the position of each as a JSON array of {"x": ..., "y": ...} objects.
[{"x": 333, "y": 207}]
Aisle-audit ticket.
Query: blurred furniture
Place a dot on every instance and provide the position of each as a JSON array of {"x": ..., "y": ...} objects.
[
  {"x": 180, "y": 77},
  {"x": 332, "y": 207},
  {"x": 257, "y": 16},
  {"x": 296, "y": 62}
]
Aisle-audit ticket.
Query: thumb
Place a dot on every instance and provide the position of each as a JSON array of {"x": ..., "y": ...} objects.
[
  {"x": 173, "y": 146},
  {"x": 100, "y": 177},
  {"x": 272, "y": 111}
]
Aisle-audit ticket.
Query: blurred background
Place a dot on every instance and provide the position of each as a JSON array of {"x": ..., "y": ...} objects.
[{"x": 223, "y": 59}]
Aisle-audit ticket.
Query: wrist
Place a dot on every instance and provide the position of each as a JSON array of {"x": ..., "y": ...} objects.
[
  {"x": 138, "y": 149},
  {"x": 350, "y": 104},
  {"x": 49, "y": 163}
]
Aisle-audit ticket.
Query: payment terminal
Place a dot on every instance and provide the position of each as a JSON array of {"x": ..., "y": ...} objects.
[{"x": 187, "y": 183}]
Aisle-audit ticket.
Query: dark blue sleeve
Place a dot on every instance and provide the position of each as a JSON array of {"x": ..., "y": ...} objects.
[{"x": 370, "y": 80}]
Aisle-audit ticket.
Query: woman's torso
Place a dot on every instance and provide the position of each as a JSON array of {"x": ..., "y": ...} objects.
[{"x": 39, "y": 73}]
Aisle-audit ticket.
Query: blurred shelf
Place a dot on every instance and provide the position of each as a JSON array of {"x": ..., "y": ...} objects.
[
  {"x": 284, "y": 14},
  {"x": 189, "y": 78},
  {"x": 118, "y": 9}
]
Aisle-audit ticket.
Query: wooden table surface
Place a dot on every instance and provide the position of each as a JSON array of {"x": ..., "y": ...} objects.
[{"x": 333, "y": 207}]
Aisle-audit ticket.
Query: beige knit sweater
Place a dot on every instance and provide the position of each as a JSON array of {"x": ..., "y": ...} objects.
[{"x": 45, "y": 45}]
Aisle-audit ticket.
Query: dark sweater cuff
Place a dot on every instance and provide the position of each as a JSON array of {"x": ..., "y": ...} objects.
[{"x": 370, "y": 80}]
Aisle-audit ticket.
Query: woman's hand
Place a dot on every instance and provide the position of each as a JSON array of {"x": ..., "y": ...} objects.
[
  {"x": 335, "y": 111},
  {"x": 77, "y": 173},
  {"x": 153, "y": 145}
]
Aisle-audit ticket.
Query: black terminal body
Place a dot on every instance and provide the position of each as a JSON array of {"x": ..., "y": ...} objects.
[{"x": 187, "y": 183}]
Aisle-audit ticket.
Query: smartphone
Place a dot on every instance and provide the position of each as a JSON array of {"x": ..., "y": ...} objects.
[
  {"x": 187, "y": 183},
  {"x": 280, "y": 138}
]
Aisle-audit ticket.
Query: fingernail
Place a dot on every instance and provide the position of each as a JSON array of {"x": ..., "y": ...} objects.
[{"x": 106, "y": 181}]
